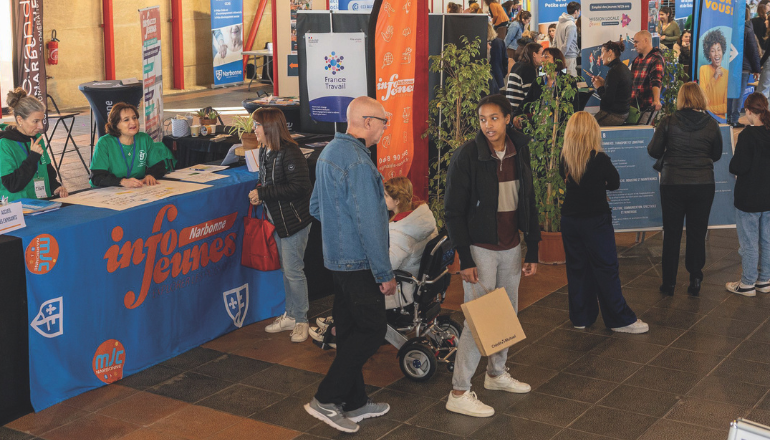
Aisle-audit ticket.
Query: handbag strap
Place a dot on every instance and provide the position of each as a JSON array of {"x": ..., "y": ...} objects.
[{"x": 473, "y": 289}]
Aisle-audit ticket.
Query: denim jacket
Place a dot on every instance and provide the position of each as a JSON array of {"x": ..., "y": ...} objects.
[{"x": 349, "y": 200}]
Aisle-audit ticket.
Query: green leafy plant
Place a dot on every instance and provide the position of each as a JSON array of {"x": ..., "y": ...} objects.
[
  {"x": 207, "y": 113},
  {"x": 240, "y": 125},
  {"x": 674, "y": 77},
  {"x": 546, "y": 126},
  {"x": 452, "y": 114}
]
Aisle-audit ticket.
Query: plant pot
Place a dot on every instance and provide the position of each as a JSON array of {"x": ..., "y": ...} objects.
[
  {"x": 551, "y": 249},
  {"x": 249, "y": 141},
  {"x": 208, "y": 121}
]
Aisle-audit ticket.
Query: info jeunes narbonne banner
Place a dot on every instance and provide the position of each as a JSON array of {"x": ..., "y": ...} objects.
[
  {"x": 339, "y": 60},
  {"x": 718, "y": 51},
  {"x": 29, "y": 56},
  {"x": 152, "y": 72},
  {"x": 227, "y": 40}
]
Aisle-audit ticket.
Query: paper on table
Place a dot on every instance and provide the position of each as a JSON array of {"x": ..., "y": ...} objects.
[
  {"x": 251, "y": 160},
  {"x": 194, "y": 177},
  {"x": 119, "y": 198},
  {"x": 307, "y": 152},
  {"x": 203, "y": 168},
  {"x": 11, "y": 217}
]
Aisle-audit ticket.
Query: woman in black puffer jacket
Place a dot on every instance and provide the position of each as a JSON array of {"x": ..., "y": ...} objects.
[
  {"x": 284, "y": 187},
  {"x": 686, "y": 144}
]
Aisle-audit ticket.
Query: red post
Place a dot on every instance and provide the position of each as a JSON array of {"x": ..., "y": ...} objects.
[
  {"x": 109, "y": 40},
  {"x": 177, "y": 35},
  {"x": 275, "y": 50},
  {"x": 253, "y": 31}
]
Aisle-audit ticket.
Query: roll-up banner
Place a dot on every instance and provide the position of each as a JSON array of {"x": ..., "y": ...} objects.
[
  {"x": 718, "y": 51},
  {"x": 227, "y": 41},
  {"x": 609, "y": 21},
  {"x": 683, "y": 8},
  {"x": 549, "y": 11},
  {"x": 351, "y": 5},
  {"x": 152, "y": 72},
  {"x": 339, "y": 63},
  {"x": 29, "y": 56}
]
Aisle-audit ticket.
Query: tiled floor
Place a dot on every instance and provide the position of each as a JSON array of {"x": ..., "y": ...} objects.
[{"x": 705, "y": 362}]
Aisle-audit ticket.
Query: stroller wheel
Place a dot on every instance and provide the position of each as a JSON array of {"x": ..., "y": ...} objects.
[
  {"x": 450, "y": 367},
  {"x": 449, "y": 325},
  {"x": 418, "y": 362}
]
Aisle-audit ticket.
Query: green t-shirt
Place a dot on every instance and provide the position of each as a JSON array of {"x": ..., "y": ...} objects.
[
  {"x": 12, "y": 154},
  {"x": 126, "y": 161}
]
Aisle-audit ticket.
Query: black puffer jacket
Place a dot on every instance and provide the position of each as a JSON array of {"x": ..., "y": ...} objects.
[
  {"x": 691, "y": 143},
  {"x": 750, "y": 164},
  {"x": 284, "y": 186}
]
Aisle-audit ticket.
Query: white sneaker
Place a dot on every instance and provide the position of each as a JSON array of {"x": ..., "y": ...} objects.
[
  {"x": 505, "y": 382},
  {"x": 469, "y": 405},
  {"x": 281, "y": 324},
  {"x": 741, "y": 289},
  {"x": 763, "y": 286},
  {"x": 580, "y": 327},
  {"x": 324, "y": 322},
  {"x": 637, "y": 327},
  {"x": 316, "y": 333},
  {"x": 299, "y": 334}
]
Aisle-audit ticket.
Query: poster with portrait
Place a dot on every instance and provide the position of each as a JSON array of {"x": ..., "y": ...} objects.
[
  {"x": 297, "y": 5},
  {"x": 152, "y": 71},
  {"x": 227, "y": 41}
]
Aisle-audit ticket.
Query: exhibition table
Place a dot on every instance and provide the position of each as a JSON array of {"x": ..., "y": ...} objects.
[
  {"x": 110, "y": 293},
  {"x": 102, "y": 95},
  {"x": 267, "y": 55},
  {"x": 190, "y": 151},
  {"x": 290, "y": 112}
]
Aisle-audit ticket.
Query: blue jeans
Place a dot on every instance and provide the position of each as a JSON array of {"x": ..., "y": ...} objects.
[
  {"x": 734, "y": 104},
  {"x": 754, "y": 239},
  {"x": 291, "y": 251},
  {"x": 764, "y": 79}
]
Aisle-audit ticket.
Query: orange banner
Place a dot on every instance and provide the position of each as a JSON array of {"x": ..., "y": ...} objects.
[{"x": 395, "y": 56}]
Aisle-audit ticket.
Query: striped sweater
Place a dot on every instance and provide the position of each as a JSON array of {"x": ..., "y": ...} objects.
[{"x": 522, "y": 87}]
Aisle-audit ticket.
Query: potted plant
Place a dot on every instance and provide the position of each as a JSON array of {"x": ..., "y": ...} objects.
[
  {"x": 453, "y": 119},
  {"x": 674, "y": 76},
  {"x": 546, "y": 126},
  {"x": 207, "y": 116},
  {"x": 242, "y": 127}
]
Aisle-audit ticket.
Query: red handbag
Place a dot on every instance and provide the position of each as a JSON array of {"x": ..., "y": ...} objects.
[{"x": 259, "y": 248}]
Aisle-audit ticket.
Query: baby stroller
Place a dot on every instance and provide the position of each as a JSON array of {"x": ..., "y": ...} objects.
[{"x": 434, "y": 338}]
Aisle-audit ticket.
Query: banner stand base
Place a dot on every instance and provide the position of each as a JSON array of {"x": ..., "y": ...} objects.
[{"x": 222, "y": 86}]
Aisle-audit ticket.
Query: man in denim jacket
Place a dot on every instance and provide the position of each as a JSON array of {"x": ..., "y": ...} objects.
[{"x": 349, "y": 200}]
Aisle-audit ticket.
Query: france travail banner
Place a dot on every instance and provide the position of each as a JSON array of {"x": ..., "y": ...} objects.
[
  {"x": 227, "y": 40},
  {"x": 152, "y": 71},
  {"x": 339, "y": 60},
  {"x": 718, "y": 51}
]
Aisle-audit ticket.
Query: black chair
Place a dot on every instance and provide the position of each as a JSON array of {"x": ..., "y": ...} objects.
[{"x": 61, "y": 118}]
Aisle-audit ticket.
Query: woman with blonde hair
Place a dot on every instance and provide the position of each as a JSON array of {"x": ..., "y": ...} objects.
[
  {"x": 587, "y": 232},
  {"x": 686, "y": 145}
]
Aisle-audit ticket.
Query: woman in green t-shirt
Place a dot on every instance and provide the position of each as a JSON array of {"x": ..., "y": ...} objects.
[
  {"x": 25, "y": 167},
  {"x": 125, "y": 156}
]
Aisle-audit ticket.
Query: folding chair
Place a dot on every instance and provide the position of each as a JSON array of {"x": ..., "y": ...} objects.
[{"x": 62, "y": 118}]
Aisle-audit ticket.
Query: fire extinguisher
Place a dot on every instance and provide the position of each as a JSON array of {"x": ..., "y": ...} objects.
[{"x": 53, "y": 49}]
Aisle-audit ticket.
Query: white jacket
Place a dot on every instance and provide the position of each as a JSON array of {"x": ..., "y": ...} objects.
[
  {"x": 408, "y": 238},
  {"x": 566, "y": 36}
]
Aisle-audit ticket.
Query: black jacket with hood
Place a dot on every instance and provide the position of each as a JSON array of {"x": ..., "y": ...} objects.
[
  {"x": 690, "y": 142},
  {"x": 284, "y": 186},
  {"x": 751, "y": 166},
  {"x": 472, "y": 192}
]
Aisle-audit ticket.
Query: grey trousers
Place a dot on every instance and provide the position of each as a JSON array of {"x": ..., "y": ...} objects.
[{"x": 496, "y": 269}]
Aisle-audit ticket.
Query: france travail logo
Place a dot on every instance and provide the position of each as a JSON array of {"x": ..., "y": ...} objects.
[
  {"x": 49, "y": 321},
  {"x": 237, "y": 303},
  {"x": 334, "y": 63}
]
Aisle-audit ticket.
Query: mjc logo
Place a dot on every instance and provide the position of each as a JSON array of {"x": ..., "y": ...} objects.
[
  {"x": 41, "y": 255},
  {"x": 109, "y": 360}
]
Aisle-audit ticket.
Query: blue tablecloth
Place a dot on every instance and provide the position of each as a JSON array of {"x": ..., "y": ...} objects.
[{"x": 111, "y": 293}]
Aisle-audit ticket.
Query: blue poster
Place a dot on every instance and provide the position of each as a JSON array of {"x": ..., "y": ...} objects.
[
  {"x": 549, "y": 11},
  {"x": 227, "y": 41},
  {"x": 352, "y": 5},
  {"x": 723, "y": 209},
  {"x": 683, "y": 8},
  {"x": 112, "y": 293}
]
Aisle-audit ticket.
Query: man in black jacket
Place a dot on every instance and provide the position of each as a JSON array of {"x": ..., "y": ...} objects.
[{"x": 489, "y": 198}]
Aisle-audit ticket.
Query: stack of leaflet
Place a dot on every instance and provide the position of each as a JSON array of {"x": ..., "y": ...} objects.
[{"x": 36, "y": 206}]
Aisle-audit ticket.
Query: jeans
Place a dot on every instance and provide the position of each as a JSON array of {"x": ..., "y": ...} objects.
[
  {"x": 571, "y": 66},
  {"x": 360, "y": 320},
  {"x": 680, "y": 203},
  {"x": 764, "y": 79},
  {"x": 734, "y": 104},
  {"x": 592, "y": 272},
  {"x": 754, "y": 239},
  {"x": 291, "y": 251},
  {"x": 496, "y": 269}
]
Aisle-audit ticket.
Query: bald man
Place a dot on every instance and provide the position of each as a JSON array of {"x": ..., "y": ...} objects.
[
  {"x": 647, "y": 70},
  {"x": 349, "y": 200}
]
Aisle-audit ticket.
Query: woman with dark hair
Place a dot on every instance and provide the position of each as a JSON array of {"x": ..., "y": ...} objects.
[
  {"x": 515, "y": 29},
  {"x": 25, "y": 166},
  {"x": 758, "y": 22},
  {"x": 750, "y": 164},
  {"x": 125, "y": 156},
  {"x": 713, "y": 77},
  {"x": 551, "y": 34},
  {"x": 764, "y": 76},
  {"x": 615, "y": 91},
  {"x": 453, "y": 8},
  {"x": 284, "y": 187},
  {"x": 523, "y": 87},
  {"x": 683, "y": 49},
  {"x": 667, "y": 27},
  {"x": 686, "y": 145},
  {"x": 498, "y": 59}
]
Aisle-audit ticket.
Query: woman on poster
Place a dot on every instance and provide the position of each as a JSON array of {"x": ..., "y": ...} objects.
[{"x": 713, "y": 77}]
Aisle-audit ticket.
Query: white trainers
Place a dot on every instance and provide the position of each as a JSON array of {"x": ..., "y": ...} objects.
[
  {"x": 469, "y": 405},
  {"x": 324, "y": 322},
  {"x": 741, "y": 289},
  {"x": 299, "y": 334},
  {"x": 281, "y": 324},
  {"x": 638, "y": 327},
  {"x": 763, "y": 286},
  {"x": 505, "y": 382}
]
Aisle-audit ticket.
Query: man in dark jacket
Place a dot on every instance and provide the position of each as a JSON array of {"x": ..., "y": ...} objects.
[
  {"x": 750, "y": 65},
  {"x": 489, "y": 198}
]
